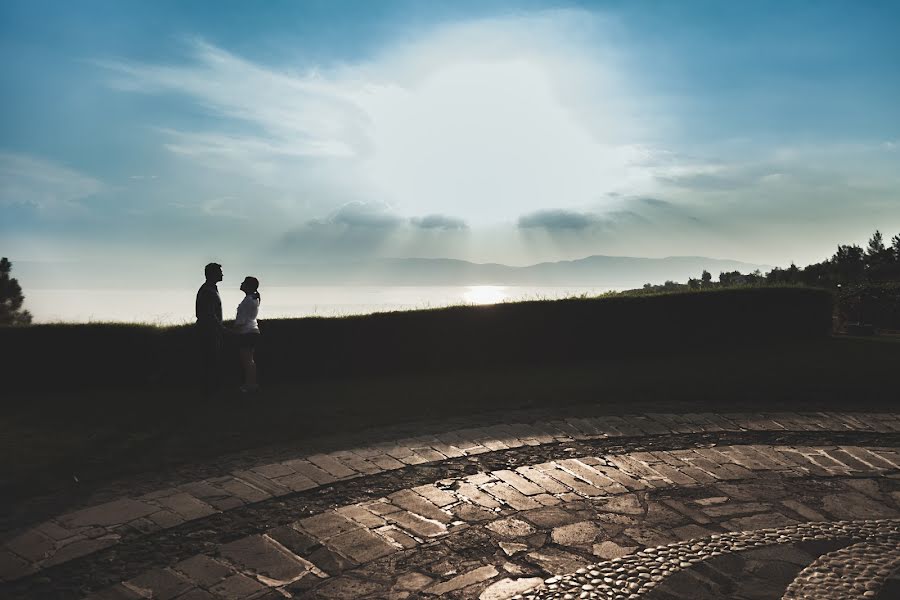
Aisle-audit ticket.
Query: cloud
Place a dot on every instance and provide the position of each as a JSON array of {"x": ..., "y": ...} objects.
[
  {"x": 559, "y": 220},
  {"x": 48, "y": 188},
  {"x": 483, "y": 119},
  {"x": 439, "y": 222},
  {"x": 361, "y": 215}
]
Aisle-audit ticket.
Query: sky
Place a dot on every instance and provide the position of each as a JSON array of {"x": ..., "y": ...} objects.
[{"x": 175, "y": 133}]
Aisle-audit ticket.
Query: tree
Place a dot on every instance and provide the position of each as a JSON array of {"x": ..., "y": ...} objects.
[
  {"x": 849, "y": 264},
  {"x": 706, "y": 278},
  {"x": 11, "y": 298},
  {"x": 895, "y": 246}
]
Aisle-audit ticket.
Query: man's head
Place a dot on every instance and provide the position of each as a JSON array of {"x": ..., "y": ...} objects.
[{"x": 213, "y": 272}]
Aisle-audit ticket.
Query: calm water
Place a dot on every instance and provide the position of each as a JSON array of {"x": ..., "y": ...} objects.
[{"x": 175, "y": 307}]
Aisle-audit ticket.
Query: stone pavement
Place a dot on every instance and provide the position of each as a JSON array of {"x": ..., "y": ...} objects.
[{"x": 665, "y": 506}]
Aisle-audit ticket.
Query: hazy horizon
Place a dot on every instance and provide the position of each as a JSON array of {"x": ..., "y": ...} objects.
[{"x": 156, "y": 137}]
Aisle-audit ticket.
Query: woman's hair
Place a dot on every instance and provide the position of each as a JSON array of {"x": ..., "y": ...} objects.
[{"x": 253, "y": 287}]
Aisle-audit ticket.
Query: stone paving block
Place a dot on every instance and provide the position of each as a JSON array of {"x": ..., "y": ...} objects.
[
  {"x": 429, "y": 454},
  {"x": 614, "y": 426},
  {"x": 477, "y": 496},
  {"x": 529, "y": 488},
  {"x": 854, "y": 505},
  {"x": 14, "y": 567},
  {"x": 210, "y": 494},
  {"x": 388, "y": 463},
  {"x": 828, "y": 463},
  {"x": 566, "y": 428},
  {"x": 867, "y": 457},
  {"x": 55, "y": 531},
  {"x": 81, "y": 548},
  {"x": 776, "y": 461},
  {"x": 803, "y": 510},
  {"x": 640, "y": 471},
  {"x": 187, "y": 506},
  {"x": 556, "y": 562},
  {"x": 611, "y": 479},
  {"x": 32, "y": 545},
  {"x": 357, "y": 463},
  {"x": 687, "y": 511},
  {"x": 263, "y": 555},
  {"x": 529, "y": 435},
  {"x": 417, "y": 525},
  {"x": 677, "y": 477},
  {"x": 197, "y": 594},
  {"x": 382, "y": 506},
  {"x": 243, "y": 490},
  {"x": 203, "y": 570},
  {"x": 360, "y": 515},
  {"x": 577, "y": 485},
  {"x": 545, "y": 482},
  {"x": 649, "y": 424},
  {"x": 465, "y": 445},
  {"x": 466, "y": 579},
  {"x": 298, "y": 542},
  {"x": 707, "y": 462},
  {"x": 332, "y": 465},
  {"x": 552, "y": 431},
  {"x": 116, "y": 512},
  {"x": 160, "y": 584},
  {"x": 115, "y": 592},
  {"x": 733, "y": 508},
  {"x": 436, "y": 495},
  {"x": 326, "y": 525},
  {"x": 398, "y": 537},
  {"x": 471, "y": 513},
  {"x": 854, "y": 464},
  {"x": 890, "y": 456},
  {"x": 546, "y": 500},
  {"x": 296, "y": 482},
  {"x": 575, "y": 534},
  {"x": 361, "y": 545},
  {"x": 761, "y": 521},
  {"x": 311, "y": 471},
  {"x": 163, "y": 519},
  {"x": 413, "y": 459},
  {"x": 260, "y": 482},
  {"x": 511, "y": 496},
  {"x": 237, "y": 587},
  {"x": 745, "y": 458},
  {"x": 415, "y": 503},
  {"x": 274, "y": 470},
  {"x": 508, "y": 588}
]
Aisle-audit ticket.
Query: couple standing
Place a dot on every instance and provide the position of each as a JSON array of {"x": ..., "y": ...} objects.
[{"x": 211, "y": 331}]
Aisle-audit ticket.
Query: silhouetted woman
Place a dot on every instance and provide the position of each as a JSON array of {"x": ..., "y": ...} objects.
[{"x": 247, "y": 330}]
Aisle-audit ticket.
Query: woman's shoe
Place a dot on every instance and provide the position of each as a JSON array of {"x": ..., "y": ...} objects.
[{"x": 250, "y": 388}]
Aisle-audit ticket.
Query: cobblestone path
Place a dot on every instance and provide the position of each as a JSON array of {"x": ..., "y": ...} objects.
[{"x": 656, "y": 506}]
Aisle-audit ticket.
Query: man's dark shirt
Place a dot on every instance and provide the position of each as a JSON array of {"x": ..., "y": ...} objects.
[{"x": 209, "y": 307}]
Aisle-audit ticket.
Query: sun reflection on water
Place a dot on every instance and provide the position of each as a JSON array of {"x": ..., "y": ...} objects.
[{"x": 485, "y": 294}]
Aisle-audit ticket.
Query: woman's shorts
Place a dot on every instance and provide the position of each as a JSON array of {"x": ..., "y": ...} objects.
[{"x": 248, "y": 340}]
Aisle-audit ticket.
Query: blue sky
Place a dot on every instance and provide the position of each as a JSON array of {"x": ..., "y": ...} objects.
[{"x": 514, "y": 132}]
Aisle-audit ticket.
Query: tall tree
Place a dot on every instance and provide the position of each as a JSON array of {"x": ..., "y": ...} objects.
[
  {"x": 895, "y": 246},
  {"x": 11, "y": 298}
]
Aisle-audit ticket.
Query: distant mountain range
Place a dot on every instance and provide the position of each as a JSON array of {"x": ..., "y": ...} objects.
[
  {"x": 593, "y": 271},
  {"x": 599, "y": 271}
]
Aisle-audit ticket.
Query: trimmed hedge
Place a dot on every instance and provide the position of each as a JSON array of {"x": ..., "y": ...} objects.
[{"x": 85, "y": 356}]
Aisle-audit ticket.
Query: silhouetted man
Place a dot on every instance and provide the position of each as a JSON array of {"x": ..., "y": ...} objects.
[{"x": 210, "y": 330}]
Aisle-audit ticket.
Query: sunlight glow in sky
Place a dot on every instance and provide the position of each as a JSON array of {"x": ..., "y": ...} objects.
[{"x": 504, "y": 131}]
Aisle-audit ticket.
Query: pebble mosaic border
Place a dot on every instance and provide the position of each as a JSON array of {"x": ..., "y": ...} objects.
[{"x": 633, "y": 576}]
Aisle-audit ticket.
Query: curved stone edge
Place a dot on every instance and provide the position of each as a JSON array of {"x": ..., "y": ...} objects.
[
  {"x": 636, "y": 574},
  {"x": 859, "y": 570},
  {"x": 350, "y": 536},
  {"x": 91, "y": 529}
]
